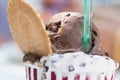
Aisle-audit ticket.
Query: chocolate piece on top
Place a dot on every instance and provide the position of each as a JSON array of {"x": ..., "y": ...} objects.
[{"x": 30, "y": 57}]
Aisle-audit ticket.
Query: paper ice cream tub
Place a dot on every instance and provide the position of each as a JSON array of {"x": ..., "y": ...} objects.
[
  {"x": 55, "y": 67},
  {"x": 35, "y": 73}
]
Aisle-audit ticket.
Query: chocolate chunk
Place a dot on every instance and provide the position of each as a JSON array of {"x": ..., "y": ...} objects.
[
  {"x": 107, "y": 58},
  {"x": 71, "y": 68},
  {"x": 68, "y": 15},
  {"x": 45, "y": 77},
  {"x": 82, "y": 64},
  {"x": 30, "y": 57},
  {"x": 107, "y": 54},
  {"x": 53, "y": 61},
  {"x": 46, "y": 68},
  {"x": 44, "y": 62},
  {"x": 52, "y": 27},
  {"x": 58, "y": 24},
  {"x": 94, "y": 32},
  {"x": 61, "y": 56}
]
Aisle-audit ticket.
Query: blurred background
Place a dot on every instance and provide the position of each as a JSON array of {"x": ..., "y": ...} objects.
[{"x": 105, "y": 15}]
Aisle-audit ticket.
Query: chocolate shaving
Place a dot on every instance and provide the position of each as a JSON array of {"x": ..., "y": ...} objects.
[
  {"x": 94, "y": 32},
  {"x": 106, "y": 54},
  {"x": 68, "y": 15},
  {"x": 30, "y": 57},
  {"x": 54, "y": 61},
  {"x": 82, "y": 64},
  {"x": 46, "y": 68},
  {"x": 53, "y": 27},
  {"x": 71, "y": 68},
  {"x": 107, "y": 58}
]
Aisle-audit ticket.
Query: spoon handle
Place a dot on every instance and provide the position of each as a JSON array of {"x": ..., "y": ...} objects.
[{"x": 87, "y": 32}]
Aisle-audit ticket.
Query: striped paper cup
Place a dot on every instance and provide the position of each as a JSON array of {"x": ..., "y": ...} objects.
[
  {"x": 34, "y": 72},
  {"x": 82, "y": 76}
]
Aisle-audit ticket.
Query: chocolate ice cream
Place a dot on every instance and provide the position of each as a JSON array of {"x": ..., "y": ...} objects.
[{"x": 66, "y": 30}]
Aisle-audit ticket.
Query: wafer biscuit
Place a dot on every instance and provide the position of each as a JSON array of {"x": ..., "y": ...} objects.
[{"x": 27, "y": 28}]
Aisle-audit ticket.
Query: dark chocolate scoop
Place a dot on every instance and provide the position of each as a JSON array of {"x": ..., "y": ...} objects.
[{"x": 66, "y": 35}]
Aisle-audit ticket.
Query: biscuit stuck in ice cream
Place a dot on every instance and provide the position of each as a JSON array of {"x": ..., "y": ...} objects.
[{"x": 28, "y": 29}]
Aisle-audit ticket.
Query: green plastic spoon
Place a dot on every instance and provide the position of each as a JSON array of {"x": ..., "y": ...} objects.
[{"x": 87, "y": 30}]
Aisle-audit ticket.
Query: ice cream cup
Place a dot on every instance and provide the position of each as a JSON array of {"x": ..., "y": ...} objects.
[
  {"x": 34, "y": 72},
  {"x": 58, "y": 70},
  {"x": 84, "y": 76}
]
